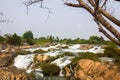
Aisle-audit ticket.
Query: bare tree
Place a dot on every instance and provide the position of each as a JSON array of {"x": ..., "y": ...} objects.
[{"x": 102, "y": 18}]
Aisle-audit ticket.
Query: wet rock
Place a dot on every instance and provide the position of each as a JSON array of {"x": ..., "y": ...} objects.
[{"x": 93, "y": 70}]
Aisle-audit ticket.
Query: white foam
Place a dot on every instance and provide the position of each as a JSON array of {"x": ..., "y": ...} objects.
[{"x": 23, "y": 61}]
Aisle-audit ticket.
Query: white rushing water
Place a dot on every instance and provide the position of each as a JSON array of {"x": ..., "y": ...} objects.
[
  {"x": 23, "y": 61},
  {"x": 96, "y": 49},
  {"x": 75, "y": 46},
  {"x": 62, "y": 62}
]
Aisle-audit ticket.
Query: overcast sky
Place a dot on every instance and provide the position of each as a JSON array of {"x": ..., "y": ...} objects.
[{"x": 64, "y": 22}]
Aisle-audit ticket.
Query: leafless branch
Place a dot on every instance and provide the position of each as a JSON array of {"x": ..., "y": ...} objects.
[
  {"x": 104, "y": 4},
  {"x": 105, "y": 33},
  {"x": 73, "y": 5},
  {"x": 3, "y": 18},
  {"x": 28, "y": 3}
]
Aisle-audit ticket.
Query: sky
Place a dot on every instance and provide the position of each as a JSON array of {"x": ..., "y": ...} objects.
[{"x": 64, "y": 21}]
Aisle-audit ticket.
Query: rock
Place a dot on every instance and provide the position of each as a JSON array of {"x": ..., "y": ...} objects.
[
  {"x": 40, "y": 58},
  {"x": 67, "y": 71},
  {"x": 3, "y": 46},
  {"x": 6, "y": 59},
  {"x": 86, "y": 46},
  {"x": 93, "y": 70},
  {"x": 12, "y": 73}
]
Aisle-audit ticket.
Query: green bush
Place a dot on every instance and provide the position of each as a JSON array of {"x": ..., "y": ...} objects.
[
  {"x": 86, "y": 55},
  {"x": 40, "y": 51},
  {"x": 23, "y": 52},
  {"x": 2, "y": 39},
  {"x": 14, "y": 39},
  {"x": 67, "y": 54},
  {"x": 50, "y": 69},
  {"x": 111, "y": 51},
  {"x": 32, "y": 75}
]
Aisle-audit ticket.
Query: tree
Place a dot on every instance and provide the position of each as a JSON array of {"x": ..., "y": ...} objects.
[
  {"x": 97, "y": 8},
  {"x": 28, "y": 34},
  {"x": 96, "y": 38}
]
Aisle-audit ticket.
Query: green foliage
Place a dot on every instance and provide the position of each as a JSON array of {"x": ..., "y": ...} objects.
[
  {"x": 32, "y": 75},
  {"x": 50, "y": 69},
  {"x": 51, "y": 38},
  {"x": 96, "y": 38},
  {"x": 111, "y": 51},
  {"x": 28, "y": 36},
  {"x": 2, "y": 39},
  {"x": 14, "y": 39},
  {"x": 30, "y": 41},
  {"x": 67, "y": 54},
  {"x": 23, "y": 52},
  {"x": 86, "y": 55},
  {"x": 92, "y": 40},
  {"x": 40, "y": 51},
  {"x": 110, "y": 43},
  {"x": 42, "y": 41}
]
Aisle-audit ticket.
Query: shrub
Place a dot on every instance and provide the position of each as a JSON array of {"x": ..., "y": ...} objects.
[
  {"x": 40, "y": 51},
  {"x": 32, "y": 75},
  {"x": 23, "y": 52},
  {"x": 2, "y": 39},
  {"x": 14, "y": 39},
  {"x": 111, "y": 51},
  {"x": 50, "y": 69},
  {"x": 87, "y": 55},
  {"x": 68, "y": 54}
]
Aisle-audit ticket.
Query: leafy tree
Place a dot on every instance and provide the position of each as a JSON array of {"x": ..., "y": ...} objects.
[
  {"x": 96, "y": 38},
  {"x": 28, "y": 36},
  {"x": 51, "y": 38}
]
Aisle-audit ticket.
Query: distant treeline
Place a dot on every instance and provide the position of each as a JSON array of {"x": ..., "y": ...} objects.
[{"x": 28, "y": 38}]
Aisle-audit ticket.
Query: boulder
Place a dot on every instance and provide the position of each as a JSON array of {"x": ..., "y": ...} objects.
[
  {"x": 86, "y": 46},
  {"x": 12, "y": 73},
  {"x": 5, "y": 59},
  {"x": 40, "y": 58},
  {"x": 93, "y": 70}
]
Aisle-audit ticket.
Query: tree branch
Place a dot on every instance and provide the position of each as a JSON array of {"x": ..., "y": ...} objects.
[
  {"x": 105, "y": 13},
  {"x": 101, "y": 19},
  {"x": 30, "y": 2},
  {"x": 73, "y": 5},
  {"x": 106, "y": 34}
]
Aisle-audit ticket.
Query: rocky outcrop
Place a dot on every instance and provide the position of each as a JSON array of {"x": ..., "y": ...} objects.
[
  {"x": 6, "y": 59},
  {"x": 86, "y": 46},
  {"x": 40, "y": 58},
  {"x": 93, "y": 70},
  {"x": 67, "y": 72},
  {"x": 12, "y": 73}
]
